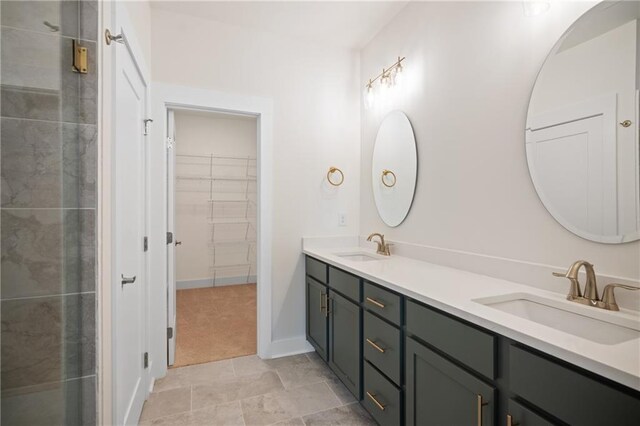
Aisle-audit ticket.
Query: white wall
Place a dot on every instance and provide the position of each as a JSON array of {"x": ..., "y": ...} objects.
[
  {"x": 204, "y": 134},
  {"x": 315, "y": 93},
  {"x": 470, "y": 71},
  {"x": 140, "y": 15}
]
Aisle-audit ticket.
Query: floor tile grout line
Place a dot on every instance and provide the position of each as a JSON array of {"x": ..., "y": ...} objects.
[{"x": 334, "y": 392}]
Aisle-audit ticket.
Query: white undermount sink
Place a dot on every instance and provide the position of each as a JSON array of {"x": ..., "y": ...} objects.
[
  {"x": 357, "y": 256},
  {"x": 597, "y": 325}
]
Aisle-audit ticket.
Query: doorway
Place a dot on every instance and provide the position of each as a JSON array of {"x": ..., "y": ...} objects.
[{"x": 213, "y": 177}]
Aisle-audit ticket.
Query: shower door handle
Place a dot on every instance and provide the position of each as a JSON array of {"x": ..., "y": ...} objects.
[{"x": 127, "y": 280}]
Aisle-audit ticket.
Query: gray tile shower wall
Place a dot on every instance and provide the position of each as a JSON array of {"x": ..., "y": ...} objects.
[{"x": 48, "y": 145}]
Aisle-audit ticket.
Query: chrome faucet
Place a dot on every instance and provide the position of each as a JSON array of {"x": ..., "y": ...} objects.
[
  {"x": 590, "y": 296},
  {"x": 383, "y": 248}
]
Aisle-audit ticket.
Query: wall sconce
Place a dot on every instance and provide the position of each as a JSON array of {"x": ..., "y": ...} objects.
[{"x": 388, "y": 78}]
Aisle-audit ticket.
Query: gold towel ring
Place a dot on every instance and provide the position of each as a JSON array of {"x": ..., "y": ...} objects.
[
  {"x": 331, "y": 171},
  {"x": 386, "y": 172}
]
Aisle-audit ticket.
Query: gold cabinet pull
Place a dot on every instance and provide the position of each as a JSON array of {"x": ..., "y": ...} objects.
[
  {"x": 375, "y": 302},
  {"x": 322, "y": 297},
  {"x": 327, "y": 311},
  {"x": 375, "y": 401},
  {"x": 369, "y": 341},
  {"x": 480, "y": 405},
  {"x": 510, "y": 421}
]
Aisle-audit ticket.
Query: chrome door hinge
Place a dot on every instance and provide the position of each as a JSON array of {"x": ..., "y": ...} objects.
[
  {"x": 170, "y": 142},
  {"x": 146, "y": 360},
  {"x": 146, "y": 125},
  {"x": 169, "y": 237},
  {"x": 169, "y": 332},
  {"x": 145, "y": 244}
]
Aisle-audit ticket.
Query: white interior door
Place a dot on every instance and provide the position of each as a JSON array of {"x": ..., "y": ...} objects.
[
  {"x": 572, "y": 157},
  {"x": 130, "y": 284},
  {"x": 171, "y": 244}
]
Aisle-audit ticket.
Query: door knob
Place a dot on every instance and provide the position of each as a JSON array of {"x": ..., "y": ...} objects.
[
  {"x": 127, "y": 280},
  {"x": 178, "y": 243}
]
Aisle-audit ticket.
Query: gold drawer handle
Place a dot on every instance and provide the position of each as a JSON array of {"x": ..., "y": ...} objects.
[
  {"x": 375, "y": 346},
  {"x": 375, "y": 302},
  {"x": 510, "y": 421},
  {"x": 480, "y": 405},
  {"x": 375, "y": 401}
]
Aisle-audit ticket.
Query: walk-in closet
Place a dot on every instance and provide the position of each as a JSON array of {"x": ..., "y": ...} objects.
[{"x": 215, "y": 234}]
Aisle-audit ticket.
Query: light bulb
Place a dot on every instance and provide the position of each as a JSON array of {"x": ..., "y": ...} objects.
[
  {"x": 368, "y": 96},
  {"x": 398, "y": 74},
  {"x": 383, "y": 88},
  {"x": 535, "y": 7}
]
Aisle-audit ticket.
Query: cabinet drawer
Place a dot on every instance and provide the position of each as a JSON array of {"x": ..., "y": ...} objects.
[
  {"x": 522, "y": 416},
  {"x": 382, "y": 343},
  {"x": 316, "y": 269},
  {"x": 382, "y": 302},
  {"x": 381, "y": 398},
  {"x": 568, "y": 394},
  {"x": 347, "y": 284},
  {"x": 471, "y": 346}
]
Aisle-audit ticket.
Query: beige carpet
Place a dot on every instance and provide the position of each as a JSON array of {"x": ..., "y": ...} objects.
[{"x": 215, "y": 323}]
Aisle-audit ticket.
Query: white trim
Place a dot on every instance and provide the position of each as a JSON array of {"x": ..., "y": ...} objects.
[
  {"x": 292, "y": 346},
  {"x": 166, "y": 97}
]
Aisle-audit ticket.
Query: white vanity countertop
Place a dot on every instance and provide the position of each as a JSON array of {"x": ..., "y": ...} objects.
[{"x": 453, "y": 291}]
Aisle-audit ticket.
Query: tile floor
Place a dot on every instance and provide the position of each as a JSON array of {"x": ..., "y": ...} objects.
[
  {"x": 295, "y": 390},
  {"x": 215, "y": 323}
]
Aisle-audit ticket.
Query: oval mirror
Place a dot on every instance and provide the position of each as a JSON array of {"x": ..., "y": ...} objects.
[
  {"x": 581, "y": 135},
  {"x": 394, "y": 168}
]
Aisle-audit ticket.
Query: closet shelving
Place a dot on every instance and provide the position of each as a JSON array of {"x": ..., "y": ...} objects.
[{"x": 228, "y": 188}]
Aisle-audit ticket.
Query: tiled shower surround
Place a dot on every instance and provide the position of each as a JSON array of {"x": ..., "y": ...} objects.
[{"x": 48, "y": 211}]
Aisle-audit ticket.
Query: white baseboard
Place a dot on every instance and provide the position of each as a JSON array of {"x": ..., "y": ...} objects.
[
  {"x": 292, "y": 346},
  {"x": 219, "y": 282}
]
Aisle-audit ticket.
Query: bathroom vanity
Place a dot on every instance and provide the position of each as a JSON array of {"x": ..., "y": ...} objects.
[{"x": 419, "y": 344}]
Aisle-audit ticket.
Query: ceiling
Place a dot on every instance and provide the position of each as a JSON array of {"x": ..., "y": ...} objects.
[{"x": 350, "y": 24}]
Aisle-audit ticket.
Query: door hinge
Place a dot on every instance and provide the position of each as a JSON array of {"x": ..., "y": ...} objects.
[
  {"x": 169, "y": 237},
  {"x": 146, "y": 360},
  {"x": 146, "y": 125},
  {"x": 79, "y": 58},
  {"x": 170, "y": 143},
  {"x": 146, "y": 243},
  {"x": 169, "y": 332}
]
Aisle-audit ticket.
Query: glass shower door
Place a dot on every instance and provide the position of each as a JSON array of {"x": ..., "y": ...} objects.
[{"x": 48, "y": 138}]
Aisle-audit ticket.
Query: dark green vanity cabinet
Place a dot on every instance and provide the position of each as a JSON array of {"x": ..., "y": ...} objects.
[
  {"x": 344, "y": 341},
  {"x": 334, "y": 320},
  {"x": 441, "y": 393},
  {"x": 317, "y": 330},
  {"x": 573, "y": 397},
  {"x": 383, "y": 344},
  {"x": 412, "y": 364}
]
